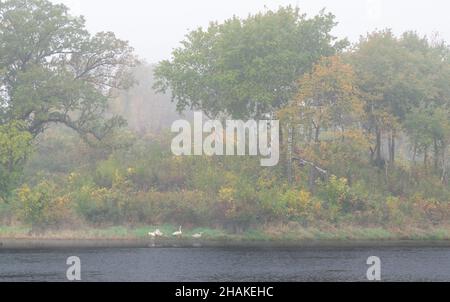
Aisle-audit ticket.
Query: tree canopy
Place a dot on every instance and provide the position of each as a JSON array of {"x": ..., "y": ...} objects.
[
  {"x": 396, "y": 75},
  {"x": 247, "y": 68},
  {"x": 55, "y": 71}
]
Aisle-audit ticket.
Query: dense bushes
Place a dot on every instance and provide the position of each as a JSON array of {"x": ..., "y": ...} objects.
[
  {"x": 42, "y": 207},
  {"x": 15, "y": 147},
  {"x": 6, "y": 213},
  {"x": 145, "y": 185}
]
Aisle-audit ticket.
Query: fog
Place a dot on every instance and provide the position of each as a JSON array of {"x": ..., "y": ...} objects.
[
  {"x": 268, "y": 144},
  {"x": 154, "y": 28}
]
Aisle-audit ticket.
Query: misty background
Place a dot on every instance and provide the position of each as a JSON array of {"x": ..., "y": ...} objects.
[
  {"x": 155, "y": 28},
  {"x": 366, "y": 144}
]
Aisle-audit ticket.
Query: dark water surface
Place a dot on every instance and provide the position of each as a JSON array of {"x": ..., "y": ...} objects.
[{"x": 227, "y": 264}]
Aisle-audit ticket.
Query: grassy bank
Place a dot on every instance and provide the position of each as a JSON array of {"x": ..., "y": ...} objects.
[{"x": 273, "y": 234}]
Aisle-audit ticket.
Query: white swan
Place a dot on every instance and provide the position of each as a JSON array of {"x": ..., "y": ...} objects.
[
  {"x": 156, "y": 233},
  {"x": 178, "y": 233},
  {"x": 197, "y": 236}
]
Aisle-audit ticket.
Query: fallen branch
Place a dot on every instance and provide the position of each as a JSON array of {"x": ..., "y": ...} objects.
[{"x": 304, "y": 162}]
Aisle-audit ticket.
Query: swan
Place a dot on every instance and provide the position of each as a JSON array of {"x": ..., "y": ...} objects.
[
  {"x": 156, "y": 233},
  {"x": 178, "y": 233},
  {"x": 197, "y": 236}
]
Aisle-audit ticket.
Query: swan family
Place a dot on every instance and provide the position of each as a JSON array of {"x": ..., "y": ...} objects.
[{"x": 157, "y": 233}]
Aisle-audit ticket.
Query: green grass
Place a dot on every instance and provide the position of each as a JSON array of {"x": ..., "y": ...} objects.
[
  {"x": 112, "y": 232},
  {"x": 348, "y": 233},
  {"x": 6, "y": 231},
  {"x": 372, "y": 233},
  {"x": 142, "y": 232},
  {"x": 256, "y": 235}
]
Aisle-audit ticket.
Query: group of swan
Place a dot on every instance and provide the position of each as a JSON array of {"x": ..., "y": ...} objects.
[{"x": 178, "y": 234}]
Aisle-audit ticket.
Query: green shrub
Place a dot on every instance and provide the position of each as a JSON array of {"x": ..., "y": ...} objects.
[
  {"x": 42, "y": 207},
  {"x": 104, "y": 206},
  {"x": 106, "y": 172},
  {"x": 15, "y": 147},
  {"x": 238, "y": 205},
  {"x": 396, "y": 215},
  {"x": 300, "y": 206},
  {"x": 6, "y": 213},
  {"x": 180, "y": 208}
]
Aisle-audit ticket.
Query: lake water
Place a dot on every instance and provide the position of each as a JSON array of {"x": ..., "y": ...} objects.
[{"x": 227, "y": 264}]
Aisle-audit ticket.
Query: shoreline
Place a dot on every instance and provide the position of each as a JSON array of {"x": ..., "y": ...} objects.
[
  {"x": 125, "y": 237},
  {"x": 37, "y": 244}
]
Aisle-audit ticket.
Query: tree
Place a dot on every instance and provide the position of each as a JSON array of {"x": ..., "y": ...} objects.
[
  {"x": 328, "y": 97},
  {"x": 418, "y": 128},
  {"x": 430, "y": 128},
  {"x": 247, "y": 68},
  {"x": 328, "y": 100},
  {"x": 54, "y": 71},
  {"x": 390, "y": 74},
  {"x": 15, "y": 146}
]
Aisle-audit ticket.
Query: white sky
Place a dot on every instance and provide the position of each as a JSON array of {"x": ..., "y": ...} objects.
[{"x": 154, "y": 27}]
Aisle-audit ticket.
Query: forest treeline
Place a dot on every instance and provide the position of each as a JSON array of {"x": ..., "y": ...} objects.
[{"x": 365, "y": 126}]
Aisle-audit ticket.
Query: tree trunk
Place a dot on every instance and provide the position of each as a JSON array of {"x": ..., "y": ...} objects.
[
  {"x": 436, "y": 155},
  {"x": 317, "y": 134},
  {"x": 378, "y": 158},
  {"x": 445, "y": 165},
  {"x": 289, "y": 159},
  {"x": 312, "y": 179},
  {"x": 392, "y": 148},
  {"x": 415, "y": 153}
]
